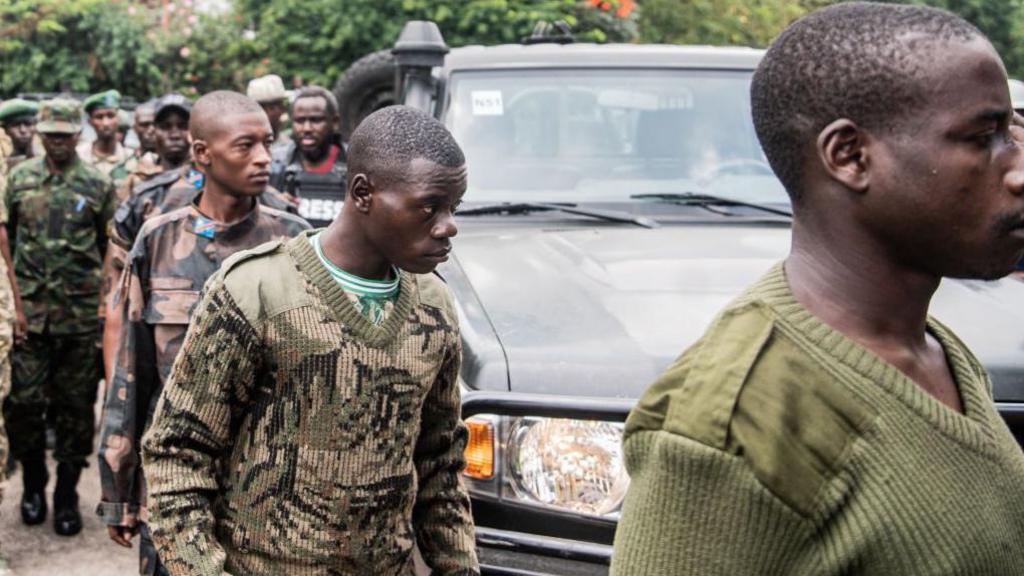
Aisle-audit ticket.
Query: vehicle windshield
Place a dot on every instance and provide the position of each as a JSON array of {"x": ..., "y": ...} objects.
[{"x": 575, "y": 135}]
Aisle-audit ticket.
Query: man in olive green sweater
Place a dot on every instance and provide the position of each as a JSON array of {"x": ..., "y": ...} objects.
[
  {"x": 825, "y": 424},
  {"x": 310, "y": 425}
]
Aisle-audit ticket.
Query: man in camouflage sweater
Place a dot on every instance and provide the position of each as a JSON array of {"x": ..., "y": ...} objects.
[
  {"x": 304, "y": 430},
  {"x": 174, "y": 255},
  {"x": 58, "y": 210}
]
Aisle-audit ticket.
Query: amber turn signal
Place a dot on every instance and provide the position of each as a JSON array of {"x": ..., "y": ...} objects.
[{"x": 480, "y": 450}]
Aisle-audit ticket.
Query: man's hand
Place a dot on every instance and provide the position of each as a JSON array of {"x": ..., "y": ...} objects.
[
  {"x": 20, "y": 327},
  {"x": 123, "y": 534}
]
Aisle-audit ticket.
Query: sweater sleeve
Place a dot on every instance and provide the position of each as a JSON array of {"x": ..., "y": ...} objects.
[
  {"x": 442, "y": 517},
  {"x": 202, "y": 401},
  {"x": 695, "y": 510}
]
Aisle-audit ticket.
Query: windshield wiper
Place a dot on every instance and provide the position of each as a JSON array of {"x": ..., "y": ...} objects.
[
  {"x": 525, "y": 207},
  {"x": 708, "y": 201}
]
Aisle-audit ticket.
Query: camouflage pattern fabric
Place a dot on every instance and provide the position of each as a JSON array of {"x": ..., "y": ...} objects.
[
  {"x": 138, "y": 168},
  {"x": 149, "y": 562},
  {"x": 58, "y": 233},
  {"x": 65, "y": 390},
  {"x": 6, "y": 334},
  {"x": 295, "y": 437},
  {"x": 173, "y": 257},
  {"x": 107, "y": 163},
  {"x": 160, "y": 194}
]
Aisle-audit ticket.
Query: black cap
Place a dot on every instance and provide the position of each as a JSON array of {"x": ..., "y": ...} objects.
[{"x": 169, "y": 102}]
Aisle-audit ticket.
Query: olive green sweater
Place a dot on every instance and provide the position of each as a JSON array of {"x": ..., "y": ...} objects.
[{"x": 776, "y": 445}]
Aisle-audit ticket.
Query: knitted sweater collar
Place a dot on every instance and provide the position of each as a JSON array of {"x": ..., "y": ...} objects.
[
  {"x": 774, "y": 290},
  {"x": 341, "y": 307}
]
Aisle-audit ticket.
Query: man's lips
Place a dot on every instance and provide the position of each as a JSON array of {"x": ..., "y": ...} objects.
[
  {"x": 260, "y": 177},
  {"x": 440, "y": 255}
]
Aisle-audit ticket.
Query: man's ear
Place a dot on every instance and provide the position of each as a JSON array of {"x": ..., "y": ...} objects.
[
  {"x": 843, "y": 148},
  {"x": 201, "y": 153},
  {"x": 360, "y": 192}
]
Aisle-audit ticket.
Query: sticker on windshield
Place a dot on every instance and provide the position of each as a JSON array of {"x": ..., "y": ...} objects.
[{"x": 487, "y": 103}]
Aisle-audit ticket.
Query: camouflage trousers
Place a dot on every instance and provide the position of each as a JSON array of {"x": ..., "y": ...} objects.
[
  {"x": 54, "y": 378},
  {"x": 149, "y": 562}
]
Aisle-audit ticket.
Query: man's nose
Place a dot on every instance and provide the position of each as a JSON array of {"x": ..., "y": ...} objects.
[{"x": 445, "y": 227}]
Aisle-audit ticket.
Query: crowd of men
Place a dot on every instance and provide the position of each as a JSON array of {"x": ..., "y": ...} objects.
[{"x": 284, "y": 399}]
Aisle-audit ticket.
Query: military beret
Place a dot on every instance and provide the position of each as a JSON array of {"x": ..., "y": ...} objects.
[
  {"x": 108, "y": 99},
  {"x": 59, "y": 116},
  {"x": 17, "y": 108}
]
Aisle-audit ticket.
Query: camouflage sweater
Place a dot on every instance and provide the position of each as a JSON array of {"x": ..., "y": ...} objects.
[
  {"x": 173, "y": 257},
  {"x": 296, "y": 438},
  {"x": 58, "y": 231}
]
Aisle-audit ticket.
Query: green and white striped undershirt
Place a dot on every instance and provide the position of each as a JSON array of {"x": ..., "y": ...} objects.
[{"x": 373, "y": 298}]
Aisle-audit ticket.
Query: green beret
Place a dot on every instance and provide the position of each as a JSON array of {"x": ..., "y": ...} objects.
[
  {"x": 108, "y": 99},
  {"x": 17, "y": 108}
]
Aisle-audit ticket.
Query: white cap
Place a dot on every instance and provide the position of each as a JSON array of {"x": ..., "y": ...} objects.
[
  {"x": 267, "y": 88},
  {"x": 1017, "y": 94}
]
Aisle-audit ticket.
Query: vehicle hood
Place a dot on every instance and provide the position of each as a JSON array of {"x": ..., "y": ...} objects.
[{"x": 602, "y": 311}]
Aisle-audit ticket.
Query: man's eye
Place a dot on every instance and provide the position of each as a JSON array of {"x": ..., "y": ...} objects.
[{"x": 430, "y": 209}]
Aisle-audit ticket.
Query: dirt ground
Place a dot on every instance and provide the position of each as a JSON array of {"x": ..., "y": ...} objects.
[{"x": 37, "y": 551}]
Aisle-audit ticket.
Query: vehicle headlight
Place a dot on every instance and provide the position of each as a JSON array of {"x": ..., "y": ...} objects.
[
  {"x": 571, "y": 464},
  {"x": 566, "y": 464}
]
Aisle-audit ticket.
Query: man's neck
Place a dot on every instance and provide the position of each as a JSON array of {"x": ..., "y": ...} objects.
[
  {"x": 172, "y": 163},
  {"x": 317, "y": 157},
  {"x": 105, "y": 147},
  {"x": 56, "y": 168},
  {"x": 352, "y": 253},
  {"x": 851, "y": 283},
  {"x": 217, "y": 204}
]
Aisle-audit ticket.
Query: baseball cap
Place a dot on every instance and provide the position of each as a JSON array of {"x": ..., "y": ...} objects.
[
  {"x": 59, "y": 116},
  {"x": 169, "y": 102}
]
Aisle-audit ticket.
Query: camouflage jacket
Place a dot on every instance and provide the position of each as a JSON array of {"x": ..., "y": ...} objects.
[
  {"x": 135, "y": 170},
  {"x": 295, "y": 437},
  {"x": 173, "y": 257},
  {"x": 58, "y": 232},
  {"x": 104, "y": 164},
  {"x": 162, "y": 193}
]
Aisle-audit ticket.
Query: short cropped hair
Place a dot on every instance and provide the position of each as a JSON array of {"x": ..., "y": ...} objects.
[
  {"x": 861, "y": 61},
  {"x": 387, "y": 141},
  {"x": 317, "y": 92},
  {"x": 210, "y": 111}
]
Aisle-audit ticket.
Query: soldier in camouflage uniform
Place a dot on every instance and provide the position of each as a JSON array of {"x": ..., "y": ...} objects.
[
  {"x": 18, "y": 118},
  {"x": 174, "y": 254},
  {"x": 171, "y": 189},
  {"x": 8, "y": 299},
  {"x": 58, "y": 208},
  {"x": 106, "y": 152},
  {"x": 169, "y": 143},
  {"x": 309, "y": 429}
]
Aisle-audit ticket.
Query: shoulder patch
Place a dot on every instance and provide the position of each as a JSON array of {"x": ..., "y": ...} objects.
[
  {"x": 717, "y": 368},
  {"x": 264, "y": 281},
  {"x": 434, "y": 292},
  {"x": 795, "y": 423},
  {"x": 238, "y": 258}
]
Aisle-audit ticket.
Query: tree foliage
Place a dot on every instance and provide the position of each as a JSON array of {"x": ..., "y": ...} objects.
[{"x": 148, "y": 47}]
